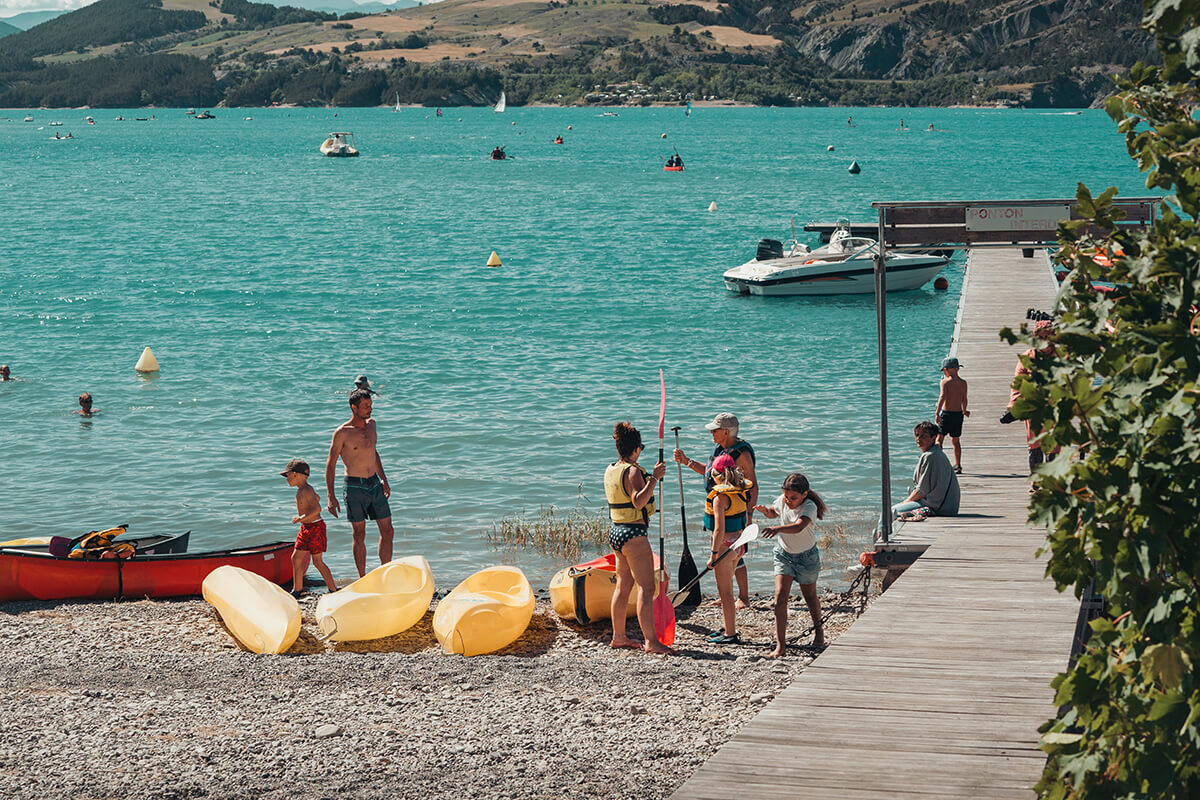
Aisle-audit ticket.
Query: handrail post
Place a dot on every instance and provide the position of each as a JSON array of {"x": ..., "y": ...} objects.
[{"x": 885, "y": 516}]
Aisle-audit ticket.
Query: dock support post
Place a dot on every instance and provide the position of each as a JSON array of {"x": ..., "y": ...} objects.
[{"x": 885, "y": 514}]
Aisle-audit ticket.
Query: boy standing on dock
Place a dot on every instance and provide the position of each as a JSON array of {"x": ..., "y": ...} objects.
[
  {"x": 311, "y": 539},
  {"x": 952, "y": 409}
]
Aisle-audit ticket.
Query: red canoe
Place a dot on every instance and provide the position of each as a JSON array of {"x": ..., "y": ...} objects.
[
  {"x": 672, "y": 169},
  {"x": 27, "y": 575}
]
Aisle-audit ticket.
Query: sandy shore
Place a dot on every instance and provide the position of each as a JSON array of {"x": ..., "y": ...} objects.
[{"x": 154, "y": 699}]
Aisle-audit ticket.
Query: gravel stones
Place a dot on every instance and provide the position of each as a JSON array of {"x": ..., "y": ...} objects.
[{"x": 557, "y": 714}]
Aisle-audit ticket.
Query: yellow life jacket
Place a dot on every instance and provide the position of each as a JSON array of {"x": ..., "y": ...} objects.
[
  {"x": 735, "y": 515},
  {"x": 620, "y": 504}
]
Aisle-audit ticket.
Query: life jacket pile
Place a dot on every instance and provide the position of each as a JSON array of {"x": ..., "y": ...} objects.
[
  {"x": 99, "y": 544},
  {"x": 620, "y": 505}
]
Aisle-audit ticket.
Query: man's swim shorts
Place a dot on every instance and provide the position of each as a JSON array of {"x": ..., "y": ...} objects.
[{"x": 365, "y": 500}]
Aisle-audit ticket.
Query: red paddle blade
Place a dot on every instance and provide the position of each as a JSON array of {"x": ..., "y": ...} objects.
[
  {"x": 662, "y": 405},
  {"x": 664, "y": 613}
]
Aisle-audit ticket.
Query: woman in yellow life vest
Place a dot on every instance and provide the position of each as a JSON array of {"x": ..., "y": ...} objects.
[
  {"x": 630, "y": 493},
  {"x": 726, "y": 506}
]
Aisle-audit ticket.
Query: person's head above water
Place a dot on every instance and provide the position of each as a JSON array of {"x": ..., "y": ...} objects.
[
  {"x": 361, "y": 382},
  {"x": 85, "y": 400},
  {"x": 3, "y": 372}
]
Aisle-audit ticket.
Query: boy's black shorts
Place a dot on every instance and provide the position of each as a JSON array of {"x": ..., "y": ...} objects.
[{"x": 950, "y": 424}]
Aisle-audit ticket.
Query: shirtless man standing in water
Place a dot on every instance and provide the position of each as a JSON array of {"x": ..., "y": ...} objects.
[{"x": 366, "y": 486}]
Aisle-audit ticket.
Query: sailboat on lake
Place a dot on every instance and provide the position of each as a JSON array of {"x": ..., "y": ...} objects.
[
  {"x": 397, "y": 108},
  {"x": 501, "y": 104}
]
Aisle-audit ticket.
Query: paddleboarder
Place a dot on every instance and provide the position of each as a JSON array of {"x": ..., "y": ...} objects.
[
  {"x": 630, "y": 493},
  {"x": 366, "y": 487},
  {"x": 724, "y": 430}
]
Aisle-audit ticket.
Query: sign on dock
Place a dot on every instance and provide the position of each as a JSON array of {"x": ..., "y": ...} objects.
[{"x": 1016, "y": 218}]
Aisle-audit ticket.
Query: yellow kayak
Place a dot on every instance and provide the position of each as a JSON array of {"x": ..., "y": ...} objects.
[
  {"x": 584, "y": 592},
  {"x": 487, "y": 611},
  {"x": 259, "y": 614},
  {"x": 387, "y": 600}
]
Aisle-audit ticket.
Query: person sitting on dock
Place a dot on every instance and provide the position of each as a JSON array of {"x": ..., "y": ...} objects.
[{"x": 935, "y": 486}]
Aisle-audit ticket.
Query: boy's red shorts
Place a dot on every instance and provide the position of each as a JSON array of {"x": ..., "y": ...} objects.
[{"x": 312, "y": 536}]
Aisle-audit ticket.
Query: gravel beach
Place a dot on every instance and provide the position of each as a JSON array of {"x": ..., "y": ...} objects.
[{"x": 155, "y": 699}]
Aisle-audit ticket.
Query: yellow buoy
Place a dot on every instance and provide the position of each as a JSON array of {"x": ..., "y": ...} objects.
[
  {"x": 493, "y": 260},
  {"x": 712, "y": 206},
  {"x": 147, "y": 363}
]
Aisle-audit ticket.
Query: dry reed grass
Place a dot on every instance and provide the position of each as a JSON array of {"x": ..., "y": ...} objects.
[{"x": 552, "y": 531}]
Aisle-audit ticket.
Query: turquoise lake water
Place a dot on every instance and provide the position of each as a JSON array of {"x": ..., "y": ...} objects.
[{"x": 265, "y": 277}]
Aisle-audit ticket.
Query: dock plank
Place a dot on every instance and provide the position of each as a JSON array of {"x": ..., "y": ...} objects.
[{"x": 938, "y": 689}]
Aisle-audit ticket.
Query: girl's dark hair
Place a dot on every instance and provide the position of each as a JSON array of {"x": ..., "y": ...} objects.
[
  {"x": 627, "y": 438},
  {"x": 795, "y": 482}
]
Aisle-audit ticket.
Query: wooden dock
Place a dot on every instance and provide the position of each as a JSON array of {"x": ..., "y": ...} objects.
[{"x": 938, "y": 689}]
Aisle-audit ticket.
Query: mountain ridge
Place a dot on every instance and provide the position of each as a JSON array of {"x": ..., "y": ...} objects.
[{"x": 1044, "y": 52}]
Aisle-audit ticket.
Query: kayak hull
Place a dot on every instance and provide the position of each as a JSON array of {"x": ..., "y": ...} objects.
[
  {"x": 27, "y": 575},
  {"x": 259, "y": 614},
  {"x": 388, "y": 600},
  {"x": 584, "y": 592},
  {"x": 486, "y": 612}
]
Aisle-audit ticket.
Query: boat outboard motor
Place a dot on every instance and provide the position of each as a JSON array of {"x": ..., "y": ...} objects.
[{"x": 769, "y": 249}]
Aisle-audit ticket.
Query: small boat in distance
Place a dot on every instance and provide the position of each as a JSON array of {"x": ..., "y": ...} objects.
[
  {"x": 498, "y": 154},
  {"x": 674, "y": 164},
  {"x": 397, "y": 108},
  {"x": 501, "y": 104},
  {"x": 339, "y": 145},
  {"x": 204, "y": 115},
  {"x": 191, "y": 112},
  {"x": 610, "y": 114},
  {"x": 28, "y": 118},
  {"x": 844, "y": 266}
]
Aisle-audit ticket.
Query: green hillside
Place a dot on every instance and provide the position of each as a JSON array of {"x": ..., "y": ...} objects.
[
  {"x": 6, "y": 29},
  {"x": 102, "y": 23}
]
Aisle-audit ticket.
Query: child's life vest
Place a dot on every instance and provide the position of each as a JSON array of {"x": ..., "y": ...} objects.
[
  {"x": 735, "y": 515},
  {"x": 620, "y": 505}
]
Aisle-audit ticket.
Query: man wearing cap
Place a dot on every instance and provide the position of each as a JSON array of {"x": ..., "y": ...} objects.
[
  {"x": 952, "y": 409},
  {"x": 724, "y": 429},
  {"x": 361, "y": 382},
  {"x": 366, "y": 487}
]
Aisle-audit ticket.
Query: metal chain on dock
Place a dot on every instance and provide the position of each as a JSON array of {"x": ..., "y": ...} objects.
[{"x": 863, "y": 579}]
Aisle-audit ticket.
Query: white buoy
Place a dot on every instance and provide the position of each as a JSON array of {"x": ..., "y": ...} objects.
[
  {"x": 570, "y": 127},
  {"x": 664, "y": 136},
  {"x": 829, "y": 149},
  {"x": 712, "y": 206},
  {"x": 147, "y": 363}
]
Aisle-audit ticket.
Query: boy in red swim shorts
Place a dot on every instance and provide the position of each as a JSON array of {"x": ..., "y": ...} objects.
[{"x": 311, "y": 540}]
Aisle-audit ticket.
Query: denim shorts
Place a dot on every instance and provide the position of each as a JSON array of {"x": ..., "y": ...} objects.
[{"x": 804, "y": 567}]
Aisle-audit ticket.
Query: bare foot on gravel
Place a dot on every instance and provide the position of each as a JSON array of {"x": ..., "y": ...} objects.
[
  {"x": 777, "y": 652},
  {"x": 658, "y": 648},
  {"x": 741, "y": 603},
  {"x": 626, "y": 643}
]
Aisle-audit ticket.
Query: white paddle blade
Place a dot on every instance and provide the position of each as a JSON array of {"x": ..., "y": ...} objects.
[{"x": 748, "y": 534}]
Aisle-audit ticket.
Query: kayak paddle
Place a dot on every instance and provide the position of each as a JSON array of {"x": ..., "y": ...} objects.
[
  {"x": 748, "y": 534},
  {"x": 687, "y": 565},
  {"x": 664, "y": 611}
]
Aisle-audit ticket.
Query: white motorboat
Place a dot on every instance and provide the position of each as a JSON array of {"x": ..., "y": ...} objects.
[
  {"x": 844, "y": 266},
  {"x": 339, "y": 145}
]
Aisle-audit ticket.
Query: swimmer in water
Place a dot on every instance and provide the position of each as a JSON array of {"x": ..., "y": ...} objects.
[
  {"x": 85, "y": 405},
  {"x": 4, "y": 376}
]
